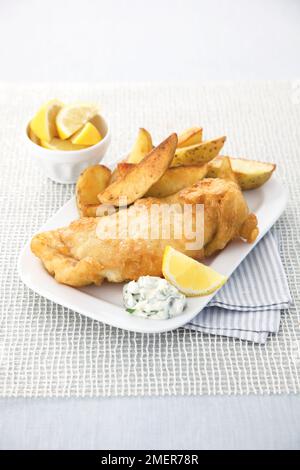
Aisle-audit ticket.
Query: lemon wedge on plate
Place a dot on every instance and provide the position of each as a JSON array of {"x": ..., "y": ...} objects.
[
  {"x": 73, "y": 117},
  {"x": 188, "y": 275},
  {"x": 58, "y": 144},
  {"x": 88, "y": 135},
  {"x": 43, "y": 124}
]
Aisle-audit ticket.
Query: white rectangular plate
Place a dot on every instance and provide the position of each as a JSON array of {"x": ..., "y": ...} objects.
[{"x": 104, "y": 303}]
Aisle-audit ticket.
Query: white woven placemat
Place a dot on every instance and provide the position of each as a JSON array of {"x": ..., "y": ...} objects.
[{"x": 47, "y": 350}]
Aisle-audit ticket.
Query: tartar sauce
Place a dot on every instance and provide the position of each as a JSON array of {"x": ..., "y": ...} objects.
[{"x": 154, "y": 298}]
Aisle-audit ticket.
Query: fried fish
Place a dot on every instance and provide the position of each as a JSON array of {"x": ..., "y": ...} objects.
[{"x": 88, "y": 250}]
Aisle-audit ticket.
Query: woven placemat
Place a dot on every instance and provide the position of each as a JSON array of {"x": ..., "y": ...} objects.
[{"x": 48, "y": 350}]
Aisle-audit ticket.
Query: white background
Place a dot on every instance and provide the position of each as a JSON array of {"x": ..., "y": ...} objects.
[
  {"x": 80, "y": 40},
  {"x": 146, "y": 40}
]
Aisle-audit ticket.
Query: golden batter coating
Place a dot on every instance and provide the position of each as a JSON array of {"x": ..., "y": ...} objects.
[{"x": 88, "y": 251}]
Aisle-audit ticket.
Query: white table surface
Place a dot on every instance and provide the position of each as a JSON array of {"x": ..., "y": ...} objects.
[
  {"x": 220, "y": 422},
  {"x": 116, "y": 40}
]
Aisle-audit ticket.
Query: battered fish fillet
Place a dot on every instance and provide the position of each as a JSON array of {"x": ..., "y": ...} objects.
[{"x": 88, "y": 251}]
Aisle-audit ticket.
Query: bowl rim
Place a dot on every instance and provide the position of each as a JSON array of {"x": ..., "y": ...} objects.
[{"x": 66, "y": 153}]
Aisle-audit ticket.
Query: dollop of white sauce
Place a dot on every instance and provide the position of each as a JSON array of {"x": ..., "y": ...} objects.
[{"x": 154, "y": 298}]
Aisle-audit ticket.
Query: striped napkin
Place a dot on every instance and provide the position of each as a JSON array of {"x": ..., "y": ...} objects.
[{"x": 248, "y": 306}]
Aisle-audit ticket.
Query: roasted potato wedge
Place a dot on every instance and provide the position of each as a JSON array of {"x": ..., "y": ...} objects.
[
  {"x": 172, "y": 181},
  {"x": 142, "y": 176},
  {"x": 143, "y": 145},
  {"x": 121, "y": 170},
  {"x": 114, "y": 175},
  {"x": 198, "y": 154},
  {"x": 175, "y": 179},
  {"x": 91, "y": 181},
  {"x": 189, "y": 137},
  {"x": 225, "y": 170},
  {"x": 88, "y": 210},
  {"x": 249, "y": 174}
]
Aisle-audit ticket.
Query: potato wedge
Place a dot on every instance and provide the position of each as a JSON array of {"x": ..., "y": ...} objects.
[
  {"x": 124, "y": 167},
  {"x": 88, "y": 210},
  {"x": 114, "y": 175},
  {"x": 175, "y": 179},
  {"x": 91, "y": 181},
  {"x": 143, "y": 145},
  {"x": 198, "y": 154},
  {"x": 172, "y": 181},
  {"x": 249, "y": 174},
  {"x": 142, "y": 176},
  {"x": 189, "y": 137},
  {"x": 225, "y": 170},
  {"x": 121, "y": 170}
]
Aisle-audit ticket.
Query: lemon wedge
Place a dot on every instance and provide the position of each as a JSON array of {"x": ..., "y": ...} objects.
[
  {"x": 88, "y": 135},
  {"x": 188, "y": 275},
  {"x": 33, "y": 137},
  {"x": 43, "y": 124},
  {"x": 58, "y": 144},
  {"x": 73, "y": 117}
]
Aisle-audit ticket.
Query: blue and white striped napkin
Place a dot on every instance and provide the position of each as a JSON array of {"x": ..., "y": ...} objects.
[{"x": 249, "y": 305}]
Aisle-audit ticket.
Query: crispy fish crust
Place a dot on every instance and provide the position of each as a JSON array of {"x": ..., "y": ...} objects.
[{"x": 87, "y": 251}]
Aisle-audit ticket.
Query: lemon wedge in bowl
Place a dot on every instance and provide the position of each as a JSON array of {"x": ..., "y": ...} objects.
[
  {"x": 73, "y": 117},
  {"x": 43, "y": 125},
  {"x": 58, "y": 144},
  {"x": 88, "y": 135},
  {"x": 33, "y": 137},
  {"x": 188, "y": 275}
]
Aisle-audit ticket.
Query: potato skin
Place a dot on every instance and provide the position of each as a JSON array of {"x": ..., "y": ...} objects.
[
  {"x": 175, "y": 179},
  {"x": 191, "y": 136},
  {"x": 198, "y": 154},
  {"x": 91, "y": 181},
  {"x": 252, "y": 182},
  {"x": 121, "y": 170},
  {"x": 249, "y": 174}
]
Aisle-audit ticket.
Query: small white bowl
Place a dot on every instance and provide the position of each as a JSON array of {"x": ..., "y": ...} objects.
[{"x": 65, "y": 166}]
